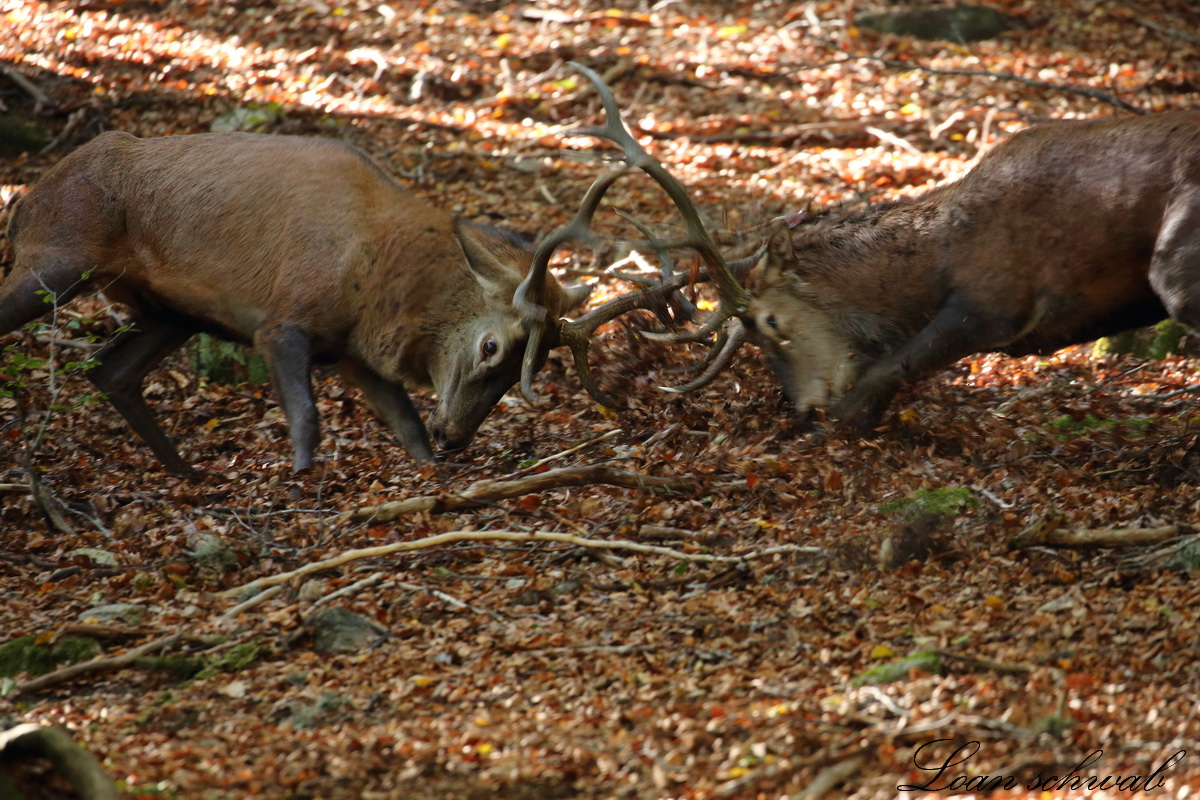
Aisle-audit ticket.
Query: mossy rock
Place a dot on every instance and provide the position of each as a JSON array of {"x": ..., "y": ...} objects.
[
  {"x": 899, "y": 669},
  {"x": 942, "y": 502},
  {"x": 26, "y": 654},
  {"x": 954, "y": 24},
  {"x": 1157, "y": 341}
]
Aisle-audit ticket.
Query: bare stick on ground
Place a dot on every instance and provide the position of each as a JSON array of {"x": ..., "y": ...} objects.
[
  {"x": 95, "y": 665},
  {"x": 1094, "y": 537},
  {"x": 484, "y": 492},
  {"x": 530, "y": 537}
]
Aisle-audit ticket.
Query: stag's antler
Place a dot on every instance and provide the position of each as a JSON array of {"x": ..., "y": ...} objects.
[{"x": 577, "y": 335}]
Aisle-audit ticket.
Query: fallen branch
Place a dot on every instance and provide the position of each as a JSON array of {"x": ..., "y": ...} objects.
[
  {"x": 1085, "y": 91},
  {"x": 345, "y": 591},
  {"x": 249, "y": 603},
  {"x": 530, "y": 537},
  {"x": 94, "y": 665},
  {"x": 78, "y": 766},
  {"x": 41, "y": 100},
  {"x": 96, "y": 631},
  {"x": 984, "y": 663},
  {"x": 489, "y": 491},
  {"x": 1093, "y": 537}
]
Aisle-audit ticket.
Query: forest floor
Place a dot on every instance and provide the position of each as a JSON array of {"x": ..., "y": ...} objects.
[{"x": 800, "y": 620}]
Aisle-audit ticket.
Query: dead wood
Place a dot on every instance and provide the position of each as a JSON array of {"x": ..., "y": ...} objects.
[
  {"x": 1038, "y": 534},
  {"x": 489, "y": 491},
  {"x": 70, "y": 760},
  {"x": 529, "y": 537},
  {"x": 94, "y": 665}
]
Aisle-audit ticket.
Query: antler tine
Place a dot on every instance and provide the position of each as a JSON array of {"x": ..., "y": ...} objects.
[
  {"x": 734, "y": 336},
  {"x": 577, "y": 335},
  {"x": 733, "y": 296},
  {"x": 715, "y": 321},
  {"x": 683, "y": 308},
  {"x": 536, "y": 314}
]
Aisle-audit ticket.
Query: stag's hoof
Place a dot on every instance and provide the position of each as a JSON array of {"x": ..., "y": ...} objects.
[{"x": 859, "y": 415}]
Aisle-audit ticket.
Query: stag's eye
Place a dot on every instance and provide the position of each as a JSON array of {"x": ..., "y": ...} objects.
[
  {"x": 489, "y": 347},
  {"x": 772, "y": 322}
]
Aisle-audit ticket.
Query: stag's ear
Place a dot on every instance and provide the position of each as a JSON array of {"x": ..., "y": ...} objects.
[
  {"x": 779, "y": 260},
  {"x": 486, "y": 256},
  {"x": 575, "y": 296},
  {"x": 561, "y": 299}
]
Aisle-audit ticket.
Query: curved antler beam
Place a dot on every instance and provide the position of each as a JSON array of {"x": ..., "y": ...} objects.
[
  {"x": 529, "y": 299},
  {"x": 734, "y": 336}
]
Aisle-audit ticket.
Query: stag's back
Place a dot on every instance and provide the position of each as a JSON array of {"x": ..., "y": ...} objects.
[{"x": 230, "y": 228}]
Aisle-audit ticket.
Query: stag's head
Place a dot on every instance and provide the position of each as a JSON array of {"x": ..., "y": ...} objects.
[
  {"x": 478, "y": 357},
  {"x": 796, "y": 331}
]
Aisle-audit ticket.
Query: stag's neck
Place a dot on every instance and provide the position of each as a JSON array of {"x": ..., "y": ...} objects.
[
  {"x": 403, "y": 303},
  {"x": 876, "y": 270}
]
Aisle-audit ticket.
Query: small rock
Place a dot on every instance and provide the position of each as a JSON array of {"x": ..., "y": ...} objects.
[{"x": 339, "y": 630}]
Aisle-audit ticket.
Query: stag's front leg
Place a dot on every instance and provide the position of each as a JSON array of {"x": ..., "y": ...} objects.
[
  {"x": 959, "y": 329},
  {"x": 123, "y": 365},
  {"x": 391, "y": 403},
  {"x": 289, "y": 357},
  {"x": 1175, "y": 267}
]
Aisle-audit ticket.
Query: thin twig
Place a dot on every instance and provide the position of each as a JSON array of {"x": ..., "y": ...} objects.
[
  {"x": 353, "y": 588},
  {"x": 544, "y": 461},
  {"x": 253, "y": 601},
  {"x": 449, "y": 600},
  {"x": 530, "y": 537},
  {"x": 985, "y": 663}
]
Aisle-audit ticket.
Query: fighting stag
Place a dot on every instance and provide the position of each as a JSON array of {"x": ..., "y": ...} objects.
[
  {"x": 307, "y": 249},
  {"x": 1067, "y": 232}
]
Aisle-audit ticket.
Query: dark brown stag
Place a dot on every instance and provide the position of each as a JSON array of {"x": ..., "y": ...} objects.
[
  {"x": 1067, "y": 232},
  {"x": 308, "y": 250}
]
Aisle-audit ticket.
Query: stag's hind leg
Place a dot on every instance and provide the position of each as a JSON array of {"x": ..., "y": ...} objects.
[
  {"x": 29, "y": 292},
  {"x": 124, "y": 363},
  {"x": 1175, "y": 266}
]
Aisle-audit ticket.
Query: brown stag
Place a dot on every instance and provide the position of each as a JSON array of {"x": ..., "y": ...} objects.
[
  {"x": 1067, "y": 232},
  {"x": 307, "y": 249}
]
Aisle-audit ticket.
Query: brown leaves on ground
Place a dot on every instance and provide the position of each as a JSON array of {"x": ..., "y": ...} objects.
[{"x": 513, "y": 671}]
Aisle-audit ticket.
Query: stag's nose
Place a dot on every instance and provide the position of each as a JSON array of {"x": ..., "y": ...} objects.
[{"x": 448, "y": 441}]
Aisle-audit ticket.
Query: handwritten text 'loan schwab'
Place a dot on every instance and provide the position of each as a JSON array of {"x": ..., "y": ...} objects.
[{"x": 1075, "y": 779}]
